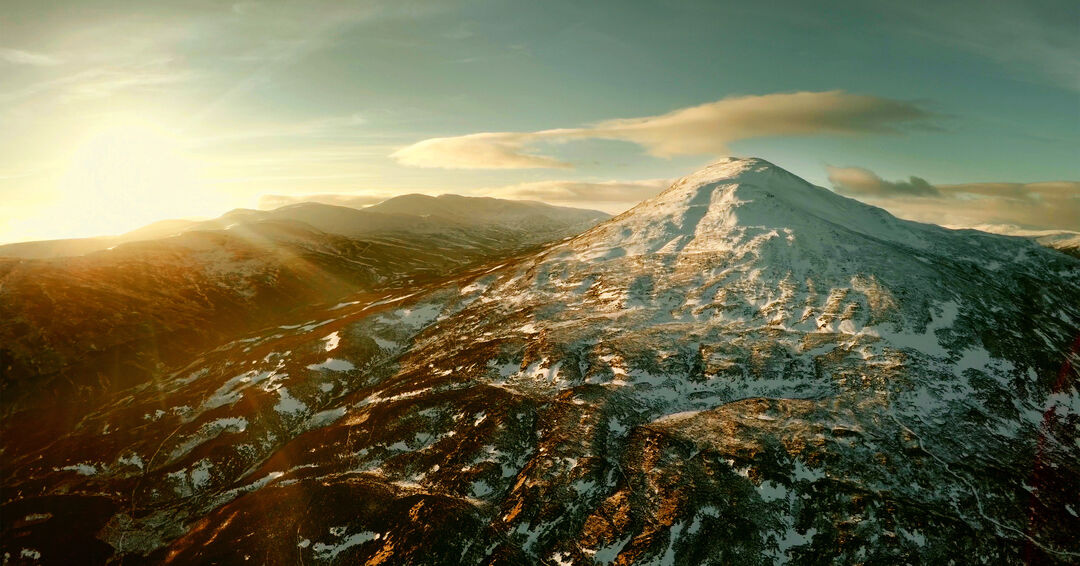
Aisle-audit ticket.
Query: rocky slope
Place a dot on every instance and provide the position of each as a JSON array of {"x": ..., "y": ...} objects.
[
  {"x": 745, "y": 369},
  {"x": 73, "y": 328}
]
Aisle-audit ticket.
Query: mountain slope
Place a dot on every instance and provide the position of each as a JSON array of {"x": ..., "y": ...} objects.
[
  {"x": 508, "y": 212},
  {"x": 1064, "y": 241},
  {"x": 71, "y": 328},
  {"x": 745, "y": 369},
  {"x": 446, "y": 215}
]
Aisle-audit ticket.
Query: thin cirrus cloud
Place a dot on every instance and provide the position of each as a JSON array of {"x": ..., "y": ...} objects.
[
  {"x": 21, "y": 57},
  {"x": 704, "y": 129},
  {"x": 491, "y": 150},
  {"x": 1044, "y": 205},
  {"x": 611, "y": 196},
  {"x": 1035, "y": 39}
]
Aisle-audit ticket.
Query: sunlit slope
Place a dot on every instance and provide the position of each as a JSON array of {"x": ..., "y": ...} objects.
[
  {"x": 75, "y": 326},
  {"x": 746, "y": 369},
  {"x": 411, "y": 214}
]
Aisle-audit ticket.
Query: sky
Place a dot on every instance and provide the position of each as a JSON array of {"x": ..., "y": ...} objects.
[{"x": 116, "y": 114}]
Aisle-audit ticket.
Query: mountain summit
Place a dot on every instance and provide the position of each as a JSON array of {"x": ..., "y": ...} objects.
[
  {"x": 749, "y": 232},
  {"x": 746, "y": 369},
  {"x": 735, "y": 202}
]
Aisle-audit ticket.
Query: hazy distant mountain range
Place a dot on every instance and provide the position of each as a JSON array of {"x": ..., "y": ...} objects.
[
  {"x": 745, "y": 369},
  {"x": 1061, "y": 240},
  {"x": 398, "y": 214}
]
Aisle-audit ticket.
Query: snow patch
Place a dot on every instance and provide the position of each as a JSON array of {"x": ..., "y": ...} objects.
[
  {"x": 333, "y": 364},
  {"x": 82, "y": 468},
  {"x": 332, "y": 341},
  {"x": 329, "y": 552},
  {"x": 289, "y": 405},
  {"x": 385, "y": 344},
  {"x": 200, "y": 474}
]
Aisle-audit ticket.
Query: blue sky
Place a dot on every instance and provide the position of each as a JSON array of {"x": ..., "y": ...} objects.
[{"x": 136, "y": 112}]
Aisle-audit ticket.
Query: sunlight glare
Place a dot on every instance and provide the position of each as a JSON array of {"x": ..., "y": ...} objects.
[{"x": 129, "y": 174}]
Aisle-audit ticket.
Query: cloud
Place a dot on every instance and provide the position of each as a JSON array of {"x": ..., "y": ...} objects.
[
  {"x": 857, "y": 181},
  {"x": 478, "y": 151},
  {"x": 244, "y": 8},
  {"x": 101, "y": 83},
  {"x": 20, "y": 57},
  {"x": 709, "y": 128},
  {"x": 1053, "y": 205},
  {"x": 609, "y": 196},
  {"x": 704, "y": 129},
  {"x": 326, "y": 127},
  {"x": 459, "y": 33},
  {"x": 584, "y": 191},
  {"x": 1034, "y": 39}
]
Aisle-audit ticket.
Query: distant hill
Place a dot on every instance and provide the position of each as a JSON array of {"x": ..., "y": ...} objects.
[{"x": 409, "y": 213}]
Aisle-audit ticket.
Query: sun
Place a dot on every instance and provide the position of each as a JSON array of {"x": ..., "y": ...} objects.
[{"x": 129, "y": 173}]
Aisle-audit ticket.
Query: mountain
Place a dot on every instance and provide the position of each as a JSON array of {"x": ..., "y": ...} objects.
[
  {"x": 56, "y": 248},
  {"x": 1062, "y": 241},
  {"x": 73, "y": 327},
  {"x": 509, "y": 212},
  {"x": 44, "y": 249},
  {"x": 442, "y": 215},
  {"x": 1065, "y": 241},
  {"x": 745, "y": 369}
]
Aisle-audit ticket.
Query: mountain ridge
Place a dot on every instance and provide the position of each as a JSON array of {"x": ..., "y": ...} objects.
[
  {"x": 839, "y": 399},
  {"x": 390, "y": 215}
]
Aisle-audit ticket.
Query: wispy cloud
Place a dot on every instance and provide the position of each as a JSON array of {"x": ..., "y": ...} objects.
[
  {"x": 494, "y": 150},
  {"x": 244, "y": 8},
  {"x": 611, "y": 195},
  {"x": 101, "y": 82},
  {"x": 1044, "y": 205},
  {"x": 346, "y": 126},
  {"x": 697, "y": 130},
  {"x": 20, "y": 57},
  {"x": 1037, "y": 39},
  {"x": 458, "y": 33},
  {"x": 859, "y": 181}
]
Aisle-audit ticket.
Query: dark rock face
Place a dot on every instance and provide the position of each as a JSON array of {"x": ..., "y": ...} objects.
[{"x": 745, "y": 370}]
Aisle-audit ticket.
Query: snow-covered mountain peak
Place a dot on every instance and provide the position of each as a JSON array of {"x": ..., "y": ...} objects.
[
  {"x": 742, "y": 203},
  {"x": 744, "y": 240},
  {"x": 734, "y": 169}
]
